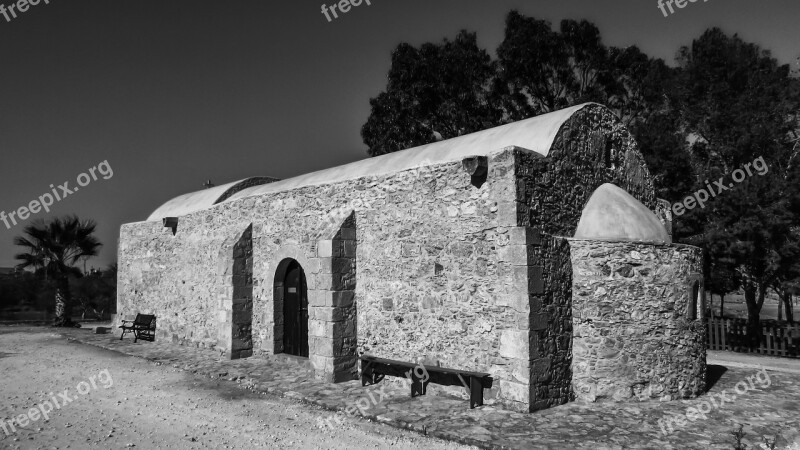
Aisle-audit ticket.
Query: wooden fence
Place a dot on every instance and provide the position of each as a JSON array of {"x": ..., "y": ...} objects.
[{"x": 731, "y": 334}]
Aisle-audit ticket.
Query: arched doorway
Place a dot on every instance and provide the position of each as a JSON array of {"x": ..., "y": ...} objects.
[{"x": 295, "y": 307}]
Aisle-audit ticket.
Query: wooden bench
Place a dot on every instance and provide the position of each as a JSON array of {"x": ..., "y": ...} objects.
[
  {"x": 143, "y": 327},
  {"x": 373, "y": 370}
]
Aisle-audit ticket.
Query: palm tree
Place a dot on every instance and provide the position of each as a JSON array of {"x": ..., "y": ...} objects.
[{"x": 52, "y": 250}]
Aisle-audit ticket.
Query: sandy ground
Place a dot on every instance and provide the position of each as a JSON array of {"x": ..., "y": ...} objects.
[{"x": 138, "y": 404}]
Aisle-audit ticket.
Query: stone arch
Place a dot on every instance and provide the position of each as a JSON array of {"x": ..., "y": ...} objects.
[
  {"x": 330, "y": 269},
  {"x": 280, "y": 261},
  {"x": 291, "y": 317},
  {"x": 236, "y": 316}
]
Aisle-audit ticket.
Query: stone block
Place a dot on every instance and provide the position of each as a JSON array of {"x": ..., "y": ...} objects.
[
  {"x": 343, "y": 330},
  {"x": 515, "y": 392},
  {"x": 325, "y": 265},
  {"x": 539, "y": 321},
  {"x": 515, "y": 344},
  {"x": 319, "y": 298},
  {"x": 540, "y": 370},
  {"x": 524, "y": 236},
  {"x": 323, "y": 280},
  {"x": 328, "y": 314},
  {"x": 345, "y": 347},
  {"x": 516, "y": 255},
  {"x": 241, "y": 317},
  {"x": 325, "y": 248},
  {"x": 241, "y": 344},
  {"x": 535, "y": 280},
  {"x": 225, "y": 317},
  {"x": 343, "y": 299},
  {"x": 325, "y": 377},
  {"x": 321, "y": 364},
  {"x": 507, "y": 214},
  {"x": 531, "y": 277},
  {"x": 344, "y": 375},
  {"x": 319, "y": 328},
  {"x": 345, "y": 281},
  {"x": 312, "y": 266},
  {"x": 520, "y": 276},
  {"x": 320, "y": 346},
  {"x": 520, "y": 301},
  {"x": 342, "y": 265}
]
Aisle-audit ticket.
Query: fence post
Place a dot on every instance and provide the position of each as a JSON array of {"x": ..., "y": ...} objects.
[{"x": 724, "y": 327}]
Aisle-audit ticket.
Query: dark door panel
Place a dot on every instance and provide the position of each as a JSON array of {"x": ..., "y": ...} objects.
[{"x": 295, "y": 311}]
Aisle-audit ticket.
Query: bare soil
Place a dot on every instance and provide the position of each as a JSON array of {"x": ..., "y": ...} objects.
[{"x": 150, "y": 406}]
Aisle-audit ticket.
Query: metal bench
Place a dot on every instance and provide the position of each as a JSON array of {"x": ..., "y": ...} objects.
[
  {"x": 373, "y": 370},
  {"x": 143, "y": 327}
]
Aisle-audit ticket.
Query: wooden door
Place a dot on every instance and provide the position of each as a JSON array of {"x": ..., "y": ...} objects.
[{"x": 295, "y": 311}]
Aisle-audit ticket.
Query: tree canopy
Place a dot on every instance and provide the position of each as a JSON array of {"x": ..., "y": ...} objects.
[{"x": 52, "y": 249}]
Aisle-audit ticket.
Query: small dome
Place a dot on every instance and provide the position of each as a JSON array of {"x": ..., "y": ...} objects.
[{"x": 611, "y": 214}]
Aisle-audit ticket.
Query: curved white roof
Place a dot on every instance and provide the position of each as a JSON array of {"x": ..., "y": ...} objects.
[
  {"x": 195, "y": 201},
  {"x": 536, "y": 134}
]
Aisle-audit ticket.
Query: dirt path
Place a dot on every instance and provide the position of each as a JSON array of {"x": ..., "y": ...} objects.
[{"x": 119, "y": 401}]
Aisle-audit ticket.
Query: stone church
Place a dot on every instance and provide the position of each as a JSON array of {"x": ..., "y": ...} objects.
[{"x": 535, "y": 251}]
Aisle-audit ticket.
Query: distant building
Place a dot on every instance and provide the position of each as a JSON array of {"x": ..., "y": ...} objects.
[{"x": 7, "y": 270}]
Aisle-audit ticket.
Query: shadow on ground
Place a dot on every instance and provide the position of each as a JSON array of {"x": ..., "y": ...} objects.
[{"x": 713, "y": 375}]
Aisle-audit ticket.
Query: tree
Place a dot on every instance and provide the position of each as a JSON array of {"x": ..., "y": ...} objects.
[
  {"x": 739, "y": 105},
  {"x": 435, "y": 92},
  {"x": 541, "y": 70},
  {"x": 721, "y": 279},
  {"x": 52, "y": 249}
]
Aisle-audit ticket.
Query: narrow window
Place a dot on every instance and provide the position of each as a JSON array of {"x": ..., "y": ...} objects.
[
  {"x": 694, "y": 300},
  {"x": 607, "y": 153}
]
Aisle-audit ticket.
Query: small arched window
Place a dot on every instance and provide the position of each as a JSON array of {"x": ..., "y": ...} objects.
[
  {"x": 607, "y": 154},
  {"x": 694, "y": 301}
]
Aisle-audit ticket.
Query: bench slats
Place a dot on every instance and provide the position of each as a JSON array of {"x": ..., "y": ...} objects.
[
  {"x": 428, "y": 368},
  {"x": 375, "y": 369}
]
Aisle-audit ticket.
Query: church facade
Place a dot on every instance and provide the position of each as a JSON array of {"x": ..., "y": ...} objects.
[{"x": 535, "y": 251}]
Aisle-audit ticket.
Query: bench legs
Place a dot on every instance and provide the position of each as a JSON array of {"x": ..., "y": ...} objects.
[
  {"x": 475, "y": 392},
  {"x": 138, "y": 334},
  {"x": 369, "y": 377},
  {"x": 475, "y": 389},
  {"x": 418, "y": 387}
]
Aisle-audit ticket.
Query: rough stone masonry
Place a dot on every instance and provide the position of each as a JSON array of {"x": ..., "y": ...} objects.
[{"x": 461, "y": 253}]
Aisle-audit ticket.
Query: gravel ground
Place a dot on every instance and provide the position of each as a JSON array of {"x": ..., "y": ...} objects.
[{"x": 119, "y": 401}]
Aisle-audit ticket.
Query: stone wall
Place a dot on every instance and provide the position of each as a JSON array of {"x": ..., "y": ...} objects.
[
  {"x": 426, "y": 241},
  {"x": 592, "y": 148},
  {"x": 638, "y": 331}
]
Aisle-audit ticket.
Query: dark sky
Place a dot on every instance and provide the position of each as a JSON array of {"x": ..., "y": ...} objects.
[{"x": 172, "y": 93}]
